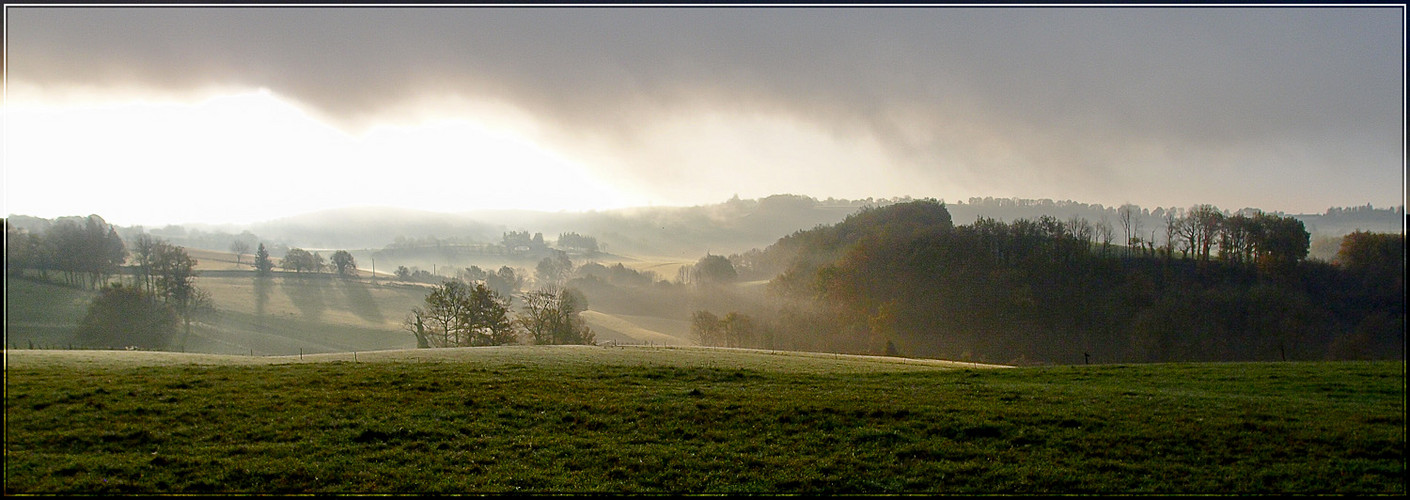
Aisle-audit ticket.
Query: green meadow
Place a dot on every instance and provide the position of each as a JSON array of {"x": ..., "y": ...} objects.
[{"x": 696, "y": 420}]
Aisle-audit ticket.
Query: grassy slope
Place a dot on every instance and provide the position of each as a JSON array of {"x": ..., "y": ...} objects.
[
  {"x": 533, "y": 356},
  {"x": 624, "y": 328},
  {"x": 309, "y": 314},
  {"x": 42, "y": 314},
  {"x": 666, "y": 268},
  {"x": 692, "y": 419},
  {"x": 315, "y": 314}
]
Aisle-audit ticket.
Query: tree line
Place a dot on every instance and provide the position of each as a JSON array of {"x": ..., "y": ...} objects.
[
  {"x": 158, "y": 300},
  {"x": 157, "y": 304},
  {"x": 477, "y": 306},
  {"x": 82, "y": 251},
  {"x": 1220, "y": 286},
  {"x": 299, "y": 260}
]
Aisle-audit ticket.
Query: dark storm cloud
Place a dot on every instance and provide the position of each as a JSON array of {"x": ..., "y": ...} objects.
[{"x": 1076, "y": 89}]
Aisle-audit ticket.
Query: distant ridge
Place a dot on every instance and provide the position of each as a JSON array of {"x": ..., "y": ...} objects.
[{"x": 733, "y": 226}]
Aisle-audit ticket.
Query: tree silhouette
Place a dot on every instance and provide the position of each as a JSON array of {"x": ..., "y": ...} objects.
[
  {"x": 175, "y": 278},
  {"x": 263, "y": 265},
  {"x": 239, "y": 248},
  {"x": 553, "y": 270},
  {"x": 706, "y": 328},
  {"x": 122, "y": 316},
  {"x": 457, "y": 314},
  {"x": 87, "y": 248},
  {"x": 552, "y": 316},
  {"x": 344, "y": 264},
  {"x": 714, "y": 270},
  {"x": 299, "y": 260}
]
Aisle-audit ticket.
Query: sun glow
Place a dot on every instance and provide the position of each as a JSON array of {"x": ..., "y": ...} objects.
[{"x": 251, "y": 156}]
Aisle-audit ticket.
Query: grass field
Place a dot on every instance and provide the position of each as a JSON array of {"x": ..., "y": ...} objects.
[
  {"x": 285, "y": 314},
  {"x": 290, "y": 313},
  {"x": 318, "y": 313},
  {"x": 638, "y": 329},
  {"x": 639, "y": 419},
  {"x": 39, "y": 314},
  {"x": 278, "y": 315}
]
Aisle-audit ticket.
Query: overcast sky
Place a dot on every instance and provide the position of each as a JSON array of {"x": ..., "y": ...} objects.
[{"x": 222, "y": 114}]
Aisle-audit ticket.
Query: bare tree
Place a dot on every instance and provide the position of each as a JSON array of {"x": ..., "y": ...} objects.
[
  {"x": 144, "y": 255},
  {"x": 1188, "y": 232},
  {"x": 706, "y": 328},
  {"x": 1205, "y": 222},
  {"x": 174, "y": 274},
  {"x": 239, "y": 247},
  {"x": 457, "y": 314},
  {"x": 551, "y": 316},
  {"x": 1104, "y": 232},
  {"x": 1129, "y": 216},
  {"x": 1081, "y": 229},
  {"x": 739, "y": 330},
  {"x": 1172, "y": 229}
]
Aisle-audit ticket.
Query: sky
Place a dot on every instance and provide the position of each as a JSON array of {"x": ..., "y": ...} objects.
[{"x": 235, "y": 115}]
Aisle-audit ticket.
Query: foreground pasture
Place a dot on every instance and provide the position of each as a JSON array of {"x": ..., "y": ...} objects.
[{"x": 637, "y": 419}]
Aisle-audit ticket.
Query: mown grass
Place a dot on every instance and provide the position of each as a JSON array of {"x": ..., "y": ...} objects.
[{"x": 568, "y": 419}]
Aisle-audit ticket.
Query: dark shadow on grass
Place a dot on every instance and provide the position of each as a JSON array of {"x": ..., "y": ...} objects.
[
  {"x": 263, "y": 285},
  {"x": 360, "y": 300},
  {"x": 306, "y": 292}
]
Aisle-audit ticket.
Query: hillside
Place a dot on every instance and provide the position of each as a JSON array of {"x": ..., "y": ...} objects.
[
  {"x": 292, "y": 313},
  {"x": 669, "y": 234},
  {"x": 790, "y": 245},
  {"x": 40, "y": 314},
  {"x": 905, "y": 277},
  {"x": 539, "y": 357}
]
